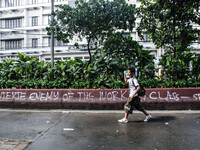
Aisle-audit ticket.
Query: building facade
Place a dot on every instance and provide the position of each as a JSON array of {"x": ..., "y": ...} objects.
[{"x": 22, "y": 29}]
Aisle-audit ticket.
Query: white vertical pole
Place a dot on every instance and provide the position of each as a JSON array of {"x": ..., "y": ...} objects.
[{"x": 52, "y": 35}]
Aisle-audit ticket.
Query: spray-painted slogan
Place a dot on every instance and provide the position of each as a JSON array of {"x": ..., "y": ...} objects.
[
  {"x": 93, "y": 95},
  {"x": 172, "y": 96},
  {"x": 64, "y": 96}
]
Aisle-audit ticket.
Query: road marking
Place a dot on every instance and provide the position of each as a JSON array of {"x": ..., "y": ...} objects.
[{"x": 68, "y": 129}]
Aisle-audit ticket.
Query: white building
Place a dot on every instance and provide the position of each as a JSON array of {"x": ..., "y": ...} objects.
[{"x": 22, "y": 29}]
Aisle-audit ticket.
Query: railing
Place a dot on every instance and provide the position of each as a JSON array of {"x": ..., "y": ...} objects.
[{"x": 71, "y": 47}]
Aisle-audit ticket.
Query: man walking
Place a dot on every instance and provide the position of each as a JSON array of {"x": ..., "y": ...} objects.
[{"x": 134, "y": 99}]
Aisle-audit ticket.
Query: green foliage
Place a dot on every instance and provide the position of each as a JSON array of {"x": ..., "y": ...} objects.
[
  {"x": 182, "y": 60},
  {"x": 92, "y": 19},
  {"x": 170, "y": 24},
  {"x": 131, "y": 54},
  {"x": 102, "y": 72},
  {"x": 119, "y": 46},
  {"x": 7, "y": 69}
]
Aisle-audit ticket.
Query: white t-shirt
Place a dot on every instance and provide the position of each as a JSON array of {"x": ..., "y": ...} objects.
[{"x": 133, "y": 83}]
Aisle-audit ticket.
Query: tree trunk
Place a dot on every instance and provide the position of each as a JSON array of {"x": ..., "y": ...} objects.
[{"x": 88, "y": 47}]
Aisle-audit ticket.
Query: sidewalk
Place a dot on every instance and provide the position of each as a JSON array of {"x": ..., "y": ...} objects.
[
  {"x": 12, "y": 145},
  {"x": 98, "y": 130}
]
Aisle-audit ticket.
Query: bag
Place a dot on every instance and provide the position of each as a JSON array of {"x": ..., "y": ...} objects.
[{"x": 142, "y": 91}]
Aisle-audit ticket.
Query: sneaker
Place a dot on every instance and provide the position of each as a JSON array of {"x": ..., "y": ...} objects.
[
  {"x": 147, "y": 118},
  {"x": 124, "y": 120}
]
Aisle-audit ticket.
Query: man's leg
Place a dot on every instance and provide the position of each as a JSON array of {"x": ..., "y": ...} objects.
[
  {"x": 125, "y": 119},
  {"x": 145, "y": 112},
  {"x": 126, "y": 115},
  {"x": 127, "y": 108},
  {"x": 139, "y": 107}
]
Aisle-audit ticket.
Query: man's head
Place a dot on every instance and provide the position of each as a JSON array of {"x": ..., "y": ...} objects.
[{"x": 131, "y": 71}]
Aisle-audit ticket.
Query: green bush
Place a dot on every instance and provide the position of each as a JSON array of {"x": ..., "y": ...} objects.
[{"x": 102, "y": 72}]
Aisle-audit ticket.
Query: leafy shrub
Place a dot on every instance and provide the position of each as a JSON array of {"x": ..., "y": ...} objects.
[{"x": 102, "y": 72}]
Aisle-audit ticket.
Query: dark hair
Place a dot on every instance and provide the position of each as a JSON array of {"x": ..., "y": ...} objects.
[{"x": 132, "y": 69}]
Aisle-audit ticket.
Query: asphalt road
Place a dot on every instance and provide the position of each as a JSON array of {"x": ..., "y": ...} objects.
[{"x": 98, "y": 130}]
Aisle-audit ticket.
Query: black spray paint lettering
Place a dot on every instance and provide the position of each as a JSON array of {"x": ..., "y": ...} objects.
[{"x": 44, "y": 96}]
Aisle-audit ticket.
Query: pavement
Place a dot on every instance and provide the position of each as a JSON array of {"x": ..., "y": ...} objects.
[{"x": 24, "y": 129}]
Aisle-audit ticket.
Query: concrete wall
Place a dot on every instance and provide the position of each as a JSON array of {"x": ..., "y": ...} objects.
[{"x": 155, "y": 98}]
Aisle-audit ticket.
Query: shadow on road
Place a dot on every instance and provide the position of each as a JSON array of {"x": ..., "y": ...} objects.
[
  {"x": 156, "y": 119},
  {"x": 162, "y": 118}
]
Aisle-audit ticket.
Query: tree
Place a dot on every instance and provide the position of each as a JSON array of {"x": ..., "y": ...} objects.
[
  {"x": 119, "y": 46},
  {"x": 170, "y": 24},
  {"x": 93, "y": 20},
  {"x": 124, "y": 48}
]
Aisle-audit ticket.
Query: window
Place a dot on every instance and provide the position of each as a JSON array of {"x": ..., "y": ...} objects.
[
  {"x": 78, "y": 58},
  {"x": 65, "y": 58},
  {"x": 34, "y": 43},
  {"x": 13, "y": 23},
  {"x": 47, "y": 59},
  {"x": 6, "y": 24},
  {"x": 146, "y": 37},
  {"x": 86, "y": 57},
  {"x": 126, "y": 34},
  {"x": 34, "y": 21},
  {"x": 34, "y": 1},
  {"x": 56, "y": 42},
  {"x": 197, "y": 40},
  {"x": 11, "y": 3},
  {"x": 57, "y": 0},
  {"x": 57, "y": 58},
  {"x": 13, "y": 44},
  {"x": 49, "y": 19},
  {"x": 49, "y": 41},
  {"x": 137, "y": 24}
]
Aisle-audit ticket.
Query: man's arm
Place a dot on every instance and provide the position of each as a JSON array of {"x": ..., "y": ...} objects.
[
  {"x": 125, "y": 78},
  {"x": 137, "y": 89}
]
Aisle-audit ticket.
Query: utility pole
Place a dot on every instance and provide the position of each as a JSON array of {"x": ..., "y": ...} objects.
[{"x": 52, "y": 35}]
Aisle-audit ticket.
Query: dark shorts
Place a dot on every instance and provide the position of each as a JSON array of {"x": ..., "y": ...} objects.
[{"x": 133, "y": 103}]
